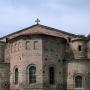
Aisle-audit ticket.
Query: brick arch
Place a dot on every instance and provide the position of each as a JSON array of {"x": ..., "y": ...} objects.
[{"x": 28, "y": 73}]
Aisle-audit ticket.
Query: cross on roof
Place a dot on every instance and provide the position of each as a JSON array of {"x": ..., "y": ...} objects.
[{"x": 37, "y": 21}]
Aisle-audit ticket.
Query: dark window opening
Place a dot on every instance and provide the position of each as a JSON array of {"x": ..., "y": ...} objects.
[
  {"x": 69, "y": 39},
  {"x": 51, "y": 75},
  {"x": 35, "y": 45},
  {"x": 78, "y": 82},
  {"x": 16, "y": 76},
  {"x": 27, "y": 45},
  {"x": 79, "y": 48},
  {"x": 32, "y": 74}
]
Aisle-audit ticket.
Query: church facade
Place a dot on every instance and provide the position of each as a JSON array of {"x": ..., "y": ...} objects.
[{"x": 44, "y": 58}]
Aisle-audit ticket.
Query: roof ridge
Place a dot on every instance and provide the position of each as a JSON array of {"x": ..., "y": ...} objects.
[
  {"x": 18, "y": 31},
  {"x": 40, "y": 25},
  {"x": 58, "y": 30}
]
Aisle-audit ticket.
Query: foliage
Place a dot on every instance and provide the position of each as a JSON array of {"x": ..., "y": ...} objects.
[{"x": 88, "y": 36}]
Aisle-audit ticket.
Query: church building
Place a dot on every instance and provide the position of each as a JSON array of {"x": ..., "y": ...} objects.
[{"x": 44, "y": 58}]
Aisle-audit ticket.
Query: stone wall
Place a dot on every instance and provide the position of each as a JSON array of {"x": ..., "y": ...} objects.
[
  {"x": 74, "y": 68},
  {"x": 2, "y": 49},
  {"x": 23, "y": 56},
  {"x": 42, "y": 51},
  {"x": 4, "y": 76},
  {"x": 53, "y": 55},
  {"x": 75, "y": 48}
]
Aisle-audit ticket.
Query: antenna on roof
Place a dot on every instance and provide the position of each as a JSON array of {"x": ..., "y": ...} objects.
[{"x": 37, "y": 21}]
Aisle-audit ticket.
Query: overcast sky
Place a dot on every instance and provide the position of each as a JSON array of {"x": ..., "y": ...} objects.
[{"x": 68, "y": 15}]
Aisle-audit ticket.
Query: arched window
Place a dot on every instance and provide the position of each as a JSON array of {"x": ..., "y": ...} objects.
[
  {"x": 51, "y": 75},
  {"x": 32, "y": 74},
  {"x": 16, "y": 76},
  {"x": 78, "y": 81}
]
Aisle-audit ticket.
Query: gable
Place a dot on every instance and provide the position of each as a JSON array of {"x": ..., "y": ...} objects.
[{"x": 40, "y": 29}]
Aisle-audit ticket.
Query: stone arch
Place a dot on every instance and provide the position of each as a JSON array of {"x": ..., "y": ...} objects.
[
  {"x": 79, "y": 80},
  {"x": 31, "y": 73},
  {"x": 16, "y": 74}
]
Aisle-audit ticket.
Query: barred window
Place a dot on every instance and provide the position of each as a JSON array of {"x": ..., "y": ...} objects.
[{"x": 32, "y": 74}]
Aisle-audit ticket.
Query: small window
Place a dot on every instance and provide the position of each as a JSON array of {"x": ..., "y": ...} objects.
[
  {"x": 79, "y": 47},
  {"x": 16, "y": 76},
  {"x": 78, "y": 82},
  {"x": 7, "y": 40},
  {"x": 35, "y": 45},
  {"x": 27, "y": 45},
  {"x": 69, "y": 39},
  {"x": 51, "y": 75}
]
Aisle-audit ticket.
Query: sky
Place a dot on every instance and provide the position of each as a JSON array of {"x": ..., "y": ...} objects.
[{"x": 68, "y": 15}]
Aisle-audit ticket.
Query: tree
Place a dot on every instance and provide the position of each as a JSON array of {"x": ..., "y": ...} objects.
[{"x": 88, "y": 36}]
